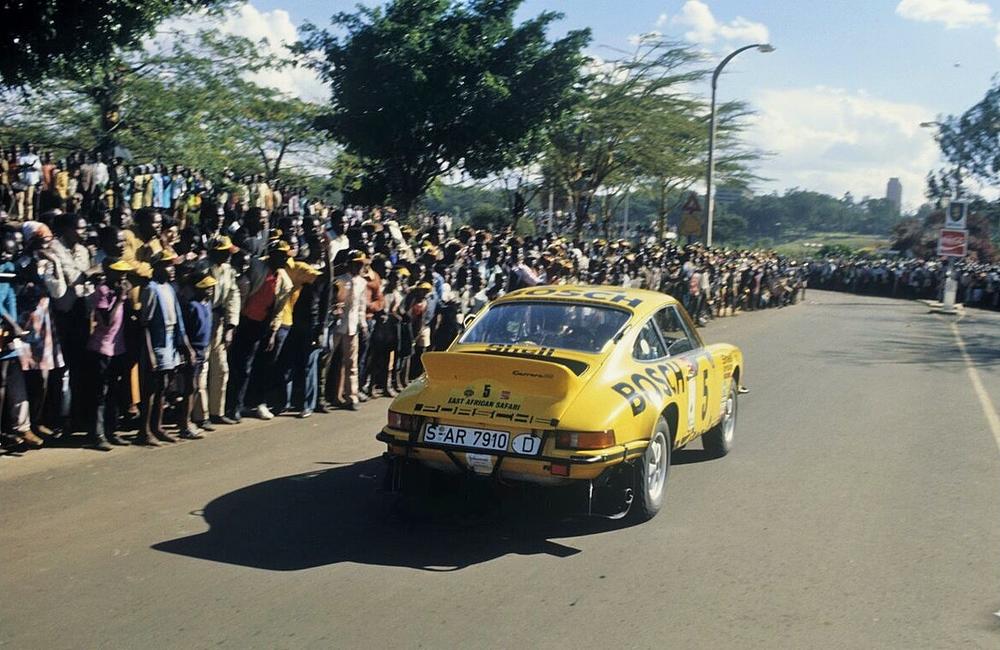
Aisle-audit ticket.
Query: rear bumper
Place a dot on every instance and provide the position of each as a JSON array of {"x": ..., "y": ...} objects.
[{"x": 535, "y": 469}]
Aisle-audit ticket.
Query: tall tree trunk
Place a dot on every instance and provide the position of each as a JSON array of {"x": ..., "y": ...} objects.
[
  {"x": 107, "y": 96},
  {"x": 582, "y": 213},
  {"x": 517, "y": 211},
  {"x": 661, "y": 214}
]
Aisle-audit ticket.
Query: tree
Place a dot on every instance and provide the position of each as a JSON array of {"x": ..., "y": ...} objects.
[
  {"x": 275, "y": 128},
  {"x": 971, "y": 141},
  {"x": 46, "y": 38},
  {"x": 637, "y": 122},
  {"x": 424, "y": 87},
  {"x": 191, "y": 102},
  {"x": 920, "y": 237}
]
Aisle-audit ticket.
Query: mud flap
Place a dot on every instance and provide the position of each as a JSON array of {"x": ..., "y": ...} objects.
[{"x": 610, "y": 495}]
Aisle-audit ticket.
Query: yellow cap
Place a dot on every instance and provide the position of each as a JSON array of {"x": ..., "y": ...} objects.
[{"x": 165, "y": 256}]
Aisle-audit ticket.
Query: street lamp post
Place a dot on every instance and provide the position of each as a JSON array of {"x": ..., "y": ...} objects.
[
  {"x": 709, "y": 198},
  {"x": 950, "y": 281}
]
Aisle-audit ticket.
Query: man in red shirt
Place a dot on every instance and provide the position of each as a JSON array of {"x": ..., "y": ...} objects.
[
  {"x": 375, "y": 307},
  {"x": 269, "y": 290}
]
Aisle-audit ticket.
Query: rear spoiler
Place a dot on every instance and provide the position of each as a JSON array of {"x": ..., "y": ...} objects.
[{"x": 536, "y": 376}]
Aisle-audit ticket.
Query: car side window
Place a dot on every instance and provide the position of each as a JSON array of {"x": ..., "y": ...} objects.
[
  {"x": 675, "y": 332},
  {"x": 648, "y": 345}
]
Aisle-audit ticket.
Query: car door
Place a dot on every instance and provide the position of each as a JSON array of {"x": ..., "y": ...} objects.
[
  {"x": 650, "y": 352},
  {"x": 702, "y": 382}
]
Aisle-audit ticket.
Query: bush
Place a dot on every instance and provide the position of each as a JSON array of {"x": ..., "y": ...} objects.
[{"x": 488, "y": 217}]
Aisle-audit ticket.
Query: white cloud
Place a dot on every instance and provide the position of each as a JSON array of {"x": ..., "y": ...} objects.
[
  {"x": 833, "y": 141},
  {"x": 952, "y": 13},
  {"x": 276, "y": 28},
  {"x": 704, "y": 29}
]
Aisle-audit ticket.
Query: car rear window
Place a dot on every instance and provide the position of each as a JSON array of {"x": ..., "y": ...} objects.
[{"x": 568, "y": 326}]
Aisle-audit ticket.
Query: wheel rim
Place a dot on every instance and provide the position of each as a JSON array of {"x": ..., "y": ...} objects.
[
  {"x": 656, "y": 466},
  {"x": 729, "y": 418}
]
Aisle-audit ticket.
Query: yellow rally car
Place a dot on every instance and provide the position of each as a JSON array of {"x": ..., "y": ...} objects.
[{"x": 560, "y": 384}]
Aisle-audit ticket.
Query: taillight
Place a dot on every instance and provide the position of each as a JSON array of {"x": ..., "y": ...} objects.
[
  {"x": 404, "y": 422},
  {"x": 585, "y": 439}
]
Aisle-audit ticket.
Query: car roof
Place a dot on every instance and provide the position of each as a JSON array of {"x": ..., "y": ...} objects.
[{"x": 639, "y": 302}]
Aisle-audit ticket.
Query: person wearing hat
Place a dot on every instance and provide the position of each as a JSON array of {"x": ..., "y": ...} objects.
[
  {"x": 196, "y": 302},
  {"x": 399, "y": 347},
  {"x": 274, "y": 366},
  {"x": 420, "y": 307},
  {"x": 310, "y": 320},
  {"x": 226, "y": 303},
  {"x": 350, "y": 311},
  {"x": 107, "y": 353},
  {"x": 268, "y": 290},
  {"x": 162, "y": 320},
  {"x": 44, "y": 280}
]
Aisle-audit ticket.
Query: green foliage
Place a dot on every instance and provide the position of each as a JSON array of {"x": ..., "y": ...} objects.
[
  {"x": 971, "y": 141},
  {"x": 729, "y": 228},
  {"x": 488, "y": 217},
  {"x": 920, "y": 236},
  {"x": 637, "y": 124},
  {"x": 460, "y": 200},
  {"x": 525, "y": 228},
  {"x": 835, "y": 250},
  {"x": 191, "y": 103},
  {"x": 423, "y": 87},
  {"x": 814, "y": 245},
  {"x": 799, "y": 211},
  {"x": 48, "y": 38}
]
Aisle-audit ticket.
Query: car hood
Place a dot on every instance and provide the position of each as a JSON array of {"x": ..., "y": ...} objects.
[{"x": 493, "y": 389}]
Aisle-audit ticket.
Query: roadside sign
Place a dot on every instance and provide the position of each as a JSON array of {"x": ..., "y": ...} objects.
[
  {"x": 692, "y": 205},
  {"x": 691, "y": 219},
  {"x": 955, "y": 216},
  {"x": 953, "y": 243}
]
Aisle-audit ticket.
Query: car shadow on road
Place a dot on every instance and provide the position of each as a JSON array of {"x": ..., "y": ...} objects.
[
  {"x": 688, "y": 456},
  {"x": 341, "y": 515}
]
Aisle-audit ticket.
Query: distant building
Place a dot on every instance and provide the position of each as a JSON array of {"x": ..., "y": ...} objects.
[{"x": 894, "y": 193}]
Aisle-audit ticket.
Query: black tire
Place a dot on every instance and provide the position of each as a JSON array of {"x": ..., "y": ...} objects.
[
  {"x": 719, "y": 440},
  {"x": 651, "y": 472}
]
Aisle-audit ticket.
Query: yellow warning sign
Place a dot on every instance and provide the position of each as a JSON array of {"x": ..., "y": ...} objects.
[{"x": 691, "y": 219}]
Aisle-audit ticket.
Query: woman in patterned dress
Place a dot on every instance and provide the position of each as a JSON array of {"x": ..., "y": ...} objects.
[{"x": 40, "y": 353}]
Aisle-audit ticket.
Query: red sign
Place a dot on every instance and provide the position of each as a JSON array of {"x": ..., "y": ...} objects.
[{"x": 953, "y": 243}]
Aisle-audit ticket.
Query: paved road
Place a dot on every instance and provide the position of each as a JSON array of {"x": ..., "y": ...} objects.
[{"x": 860, "y": 509}]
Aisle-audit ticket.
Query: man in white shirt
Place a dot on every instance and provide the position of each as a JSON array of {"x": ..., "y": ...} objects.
[
  {"x": 351, "y": 303},
  {"x": 338, "y": 236},
  {"x": 30, "y": 168}
]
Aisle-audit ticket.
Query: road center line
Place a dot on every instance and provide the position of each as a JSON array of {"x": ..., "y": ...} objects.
[{"x": 989, "y": 410}]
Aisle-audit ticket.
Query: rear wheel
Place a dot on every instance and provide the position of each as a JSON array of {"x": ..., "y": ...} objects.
[
  {"x": 651, "y": 474},
  {"x": 719, "y": 440}
]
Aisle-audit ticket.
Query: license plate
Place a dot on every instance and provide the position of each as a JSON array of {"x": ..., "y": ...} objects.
[{"x": 466, "y": 437}]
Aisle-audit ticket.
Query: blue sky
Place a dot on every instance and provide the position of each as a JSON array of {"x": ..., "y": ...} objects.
[{"x": 838, "y": 103}]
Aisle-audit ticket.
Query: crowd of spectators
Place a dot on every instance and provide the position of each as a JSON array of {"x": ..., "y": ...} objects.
[
  {"x": 173, "y": 310},
  {"x": 915, "y": 279}
]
